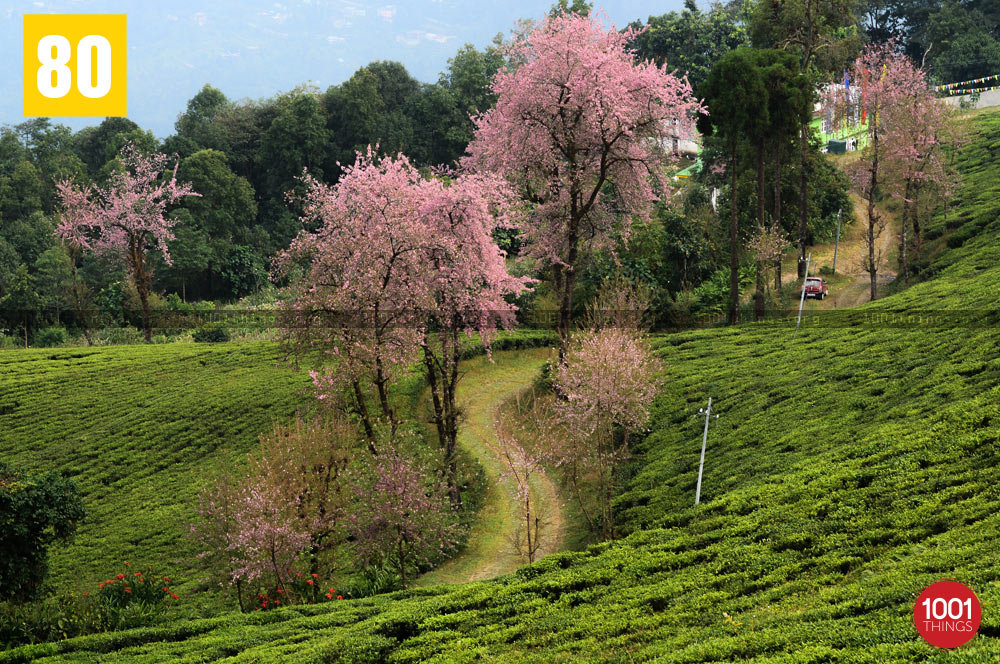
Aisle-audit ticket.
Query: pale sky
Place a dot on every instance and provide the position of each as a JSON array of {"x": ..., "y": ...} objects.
[{"x": 256, "y": 48}]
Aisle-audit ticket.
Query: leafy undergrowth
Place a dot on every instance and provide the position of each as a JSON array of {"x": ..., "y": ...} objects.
[{"x": 853, "y": 463}]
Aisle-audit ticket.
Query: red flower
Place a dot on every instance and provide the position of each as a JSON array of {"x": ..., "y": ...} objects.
[
  {"x": 280, "y": 591},
  {"x": 315, "y": 575},
  {"x": 120, "y": 577},
  {"x": 138, "y": 574},
  {"x": 128, "y": 590},
  {"x": 174, "y": 596},
  {"x": 340, "y": 597},
  {"x": 329, "y": 596},
  {"x": 310, "y": 582}
]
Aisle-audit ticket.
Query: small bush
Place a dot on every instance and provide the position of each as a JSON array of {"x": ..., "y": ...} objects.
[
  {"x": 116, "y": 336},
  {"x": 51, "y": 336},
  {"x": 543, "y": 381},
  {"x": 211, "y": 333}
]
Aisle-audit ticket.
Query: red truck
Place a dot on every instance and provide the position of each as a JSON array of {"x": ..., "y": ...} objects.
[{"x": 816, "y": 287}]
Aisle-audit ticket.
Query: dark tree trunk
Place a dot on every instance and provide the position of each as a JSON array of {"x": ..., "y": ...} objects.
[
  {"x": 904, "y": 270},
  {"x": 361, "y": 407},
  {"x": 873, "y": 215},
  {"x": 442, "y": 378},
  {"x": 734, "y": 277},
  {"x": 568, "y": 280},
  {"x": 777, "y": 215},
  {"x": 402, "y": 557},
  {"x": 78, "y": 304},
  {"x": 803, "y": 198},
  {"x": 758, "y": 297}
]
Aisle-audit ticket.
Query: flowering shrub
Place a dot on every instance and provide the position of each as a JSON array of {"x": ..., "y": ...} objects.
[
  {"x": 302, "y": 589},
  {"x": 129, "y": 599},
  {"x": 134, "y": 596}
]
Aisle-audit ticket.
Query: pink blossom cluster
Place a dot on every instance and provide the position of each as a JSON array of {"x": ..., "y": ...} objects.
[
  {"x": 126, "y": 216},
  {"x": 397, "y": 254},
  {"x": 576, "y": 113}
]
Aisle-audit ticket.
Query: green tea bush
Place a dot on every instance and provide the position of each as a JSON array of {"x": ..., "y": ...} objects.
[
  {"x": 852, "y": 464},
  {"x": 211, "y": 333},
  {"x": 51, "y": 336}
]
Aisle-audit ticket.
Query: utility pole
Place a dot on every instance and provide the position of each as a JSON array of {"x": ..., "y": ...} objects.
[
  {"x": 704, "y": 442},
  {"x": 802, "y": 298},
  {"x": 837, "y": 245}
]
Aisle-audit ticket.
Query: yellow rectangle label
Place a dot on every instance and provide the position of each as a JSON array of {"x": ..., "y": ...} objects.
[{"x": 74, "y": 65}]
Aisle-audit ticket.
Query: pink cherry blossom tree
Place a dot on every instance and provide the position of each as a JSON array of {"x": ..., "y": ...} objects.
[
  {"x": 919, "y": 130},
  {"x": 288, "y": 508},
  {"x": 363, "y": 282},
  {"x": 892, "y": 90},
  {"x": 608, "y": 377},
  {"x": 467, "y": 280},
  {"x": 414, "y": 262},
  {"x": 580, "y": 128},
  {"x": 126, "y": 216},
  {"x": 403, "y": 516},
  {"x": 526, "y": 438}
]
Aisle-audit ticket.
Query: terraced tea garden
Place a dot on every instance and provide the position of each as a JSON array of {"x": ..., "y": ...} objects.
[{"x": 853, "y": 463}]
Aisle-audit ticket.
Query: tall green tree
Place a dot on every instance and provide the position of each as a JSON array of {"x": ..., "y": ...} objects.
[
  {"x": 199, "y": 126},
  {"x": 815, "y": 31},
  {"x": 736, "y": 95},
  {"x": 692, "y": 41}
]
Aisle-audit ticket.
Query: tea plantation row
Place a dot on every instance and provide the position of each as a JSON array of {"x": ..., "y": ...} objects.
[{"x": 853, "y": 463}]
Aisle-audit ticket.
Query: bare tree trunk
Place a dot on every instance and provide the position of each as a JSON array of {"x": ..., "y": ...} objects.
[
  {"x": 904, "y": 271},
  {"x": 777, "y": 215},
  {"x": 872, "y": 214},
  {"x": 362, "y": 410},
  {"x": 734, "y": 280},
  {"x": 442, "y": 377},
  {"x": 433, "y": 383},
  {"x": 402, "y": 558},
  {"x": 803, "y": 198},
  {"x": 568, "y": 279},
  {"x": 78, "y": 304},
  {"x": 758, "y": 297}
]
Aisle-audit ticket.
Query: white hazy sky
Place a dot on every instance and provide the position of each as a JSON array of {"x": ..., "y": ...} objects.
[{"x": 256, "y": 48}]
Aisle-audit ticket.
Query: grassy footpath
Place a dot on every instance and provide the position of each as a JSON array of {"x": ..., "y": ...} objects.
[
  {"x": 484, "y": 387},
  {"x": 851, "y": 467}
]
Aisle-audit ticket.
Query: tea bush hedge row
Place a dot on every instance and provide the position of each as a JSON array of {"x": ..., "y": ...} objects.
[{"x": 853, "y": 463}]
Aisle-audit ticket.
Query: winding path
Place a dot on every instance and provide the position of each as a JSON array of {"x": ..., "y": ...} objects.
[{"x": 483, "y": 389}]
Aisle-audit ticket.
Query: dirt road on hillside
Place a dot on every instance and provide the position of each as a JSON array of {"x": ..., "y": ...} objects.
[{"x": 851, "y": 285}]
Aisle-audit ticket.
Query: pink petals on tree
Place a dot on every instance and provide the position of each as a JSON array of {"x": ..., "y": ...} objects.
[
  {"x": 579, "y": 129},
  {"x": 126, "y": 217}
]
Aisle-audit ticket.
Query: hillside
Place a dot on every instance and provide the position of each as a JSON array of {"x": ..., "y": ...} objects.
[
  {"x": 134, "y": 425},
  {"x": 853, "y": 463}
]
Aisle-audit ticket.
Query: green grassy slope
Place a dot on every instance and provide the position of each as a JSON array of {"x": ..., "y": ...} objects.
[
  {"x": 134, "y": 425},
  {"x": 850, "y": 467}
]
